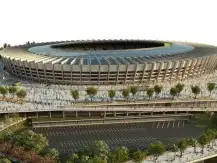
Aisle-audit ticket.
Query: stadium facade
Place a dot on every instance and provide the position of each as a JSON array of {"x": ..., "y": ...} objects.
[{"x": 109, "y": 62}]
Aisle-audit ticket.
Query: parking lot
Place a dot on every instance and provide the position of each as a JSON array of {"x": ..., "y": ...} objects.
[{"x": 132, "y": 135}]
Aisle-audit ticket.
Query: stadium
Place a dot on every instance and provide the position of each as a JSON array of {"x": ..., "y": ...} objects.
[{"x": 109, "y": 62}]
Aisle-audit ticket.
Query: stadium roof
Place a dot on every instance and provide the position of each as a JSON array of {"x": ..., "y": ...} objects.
[{"x": 47, "y": 54}]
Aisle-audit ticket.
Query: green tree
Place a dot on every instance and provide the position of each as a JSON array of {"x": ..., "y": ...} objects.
[
  {"x": 73, "y": 158},
  {"x": 120, "y": 154},
  {"x": 173, "y": 92},
  {"x": 172, "y": 148},
  {"x": 52, "y": 153},
  {"x": 91, "y": 92},
  {"x": 97, "y": 159},
  {"x": 5, "y": 45},
  {"x": 4, "y": 160},
  {"x": 99, "y": 148},
  {"x": 12, "y": 90},
  {"x": 211, "y": 87},
  {"x": 193, "y": 142},
  {"x": 21, "y": 94},
  {"x": 139, "y": 156},
  {"x": 27, "y": 139},
  {"x": 150, "y": 92},
  {"x": 83, "y": 159},
  {"x": 203, "y": 140},
  {"x": 134, "y": 90},
  {"x": 111, "y": 94},
  {"x": 179, "y": 87},
  {"x": 32, "y": 141},
  {"x": 157, "y": 90},
  {"x": 211, "y": 135},
  {"x": 75, "y": 95},
  {"x": 195, "y": 90},
  {"x": 125, "y": 93},
  {"x": 156, "y": 149},
  {"x": 3, "y": 91},
  {"x": 182, "y": 145}
]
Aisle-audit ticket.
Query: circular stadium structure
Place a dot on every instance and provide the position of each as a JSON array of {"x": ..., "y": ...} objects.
[{"x": 109, "y": 62}]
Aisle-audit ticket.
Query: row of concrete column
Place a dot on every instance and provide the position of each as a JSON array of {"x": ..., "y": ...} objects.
[{"x": 114, "y": 113}]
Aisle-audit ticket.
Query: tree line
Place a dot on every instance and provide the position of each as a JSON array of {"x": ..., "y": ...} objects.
[
  {"x": 28, "y": 146},
  {"x": 133, "y": 90},
  {"x": 12, "y": 90},
  {"x": 99, "y": 151}
]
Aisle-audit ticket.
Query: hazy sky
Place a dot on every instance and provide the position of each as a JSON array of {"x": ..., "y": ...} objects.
[{"x": 52, "y": 20}]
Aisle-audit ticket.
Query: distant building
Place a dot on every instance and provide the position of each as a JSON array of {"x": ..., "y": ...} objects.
[{"x": 109, "y": 62}]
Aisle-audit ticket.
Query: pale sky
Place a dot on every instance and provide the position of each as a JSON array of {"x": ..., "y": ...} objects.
[{"x": 55, "y": 20}]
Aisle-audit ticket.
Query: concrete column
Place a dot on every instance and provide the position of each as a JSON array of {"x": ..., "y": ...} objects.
[
  {"x": 139, "y": 113},
  {"x": 135, "y": 74},
  {"x": 145, "y": 66},
  {"x": 185, "y": 69},
  {"x": 167, "y": 68},
  {"x": 104, "y": 113},
  {"x": 175, "y": 63},
  {"x": 127, "y": 113},
  {"x": 50, "y": 114},
  {"x": 64, "y": 114},
  {"x": 152, "y": 113},
  {"x": 203, "y": 65},
  {"x": 76, "y": 114},
  {"x": 114, "y": 113},
  {"x": 160, "y": 68},
  {"x": 37, "y": 115},
  {"x": 99, "y": 75},
  {"x": 152, "y": 70},
  {"x": 89, "y": 113},
  {"x": 25, "y": 114},
  {"x": 117, "y": 74}
]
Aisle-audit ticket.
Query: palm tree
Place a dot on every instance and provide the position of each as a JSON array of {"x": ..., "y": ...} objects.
[
  {"x": 182, "y": 145},
  {"x": 211, "y": 134},
  {"x": 111, "y": 94},
  {"x": 75, "y": 95},
  {"x": 193, "y": 143},
  {"x": 156, "y": 149},
  {"x": 203, "y": 140},
  {"x": 211, "y": 87}
]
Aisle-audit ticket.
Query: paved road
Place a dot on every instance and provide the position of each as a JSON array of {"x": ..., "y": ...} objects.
[{"x": 136, "y": 135}]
